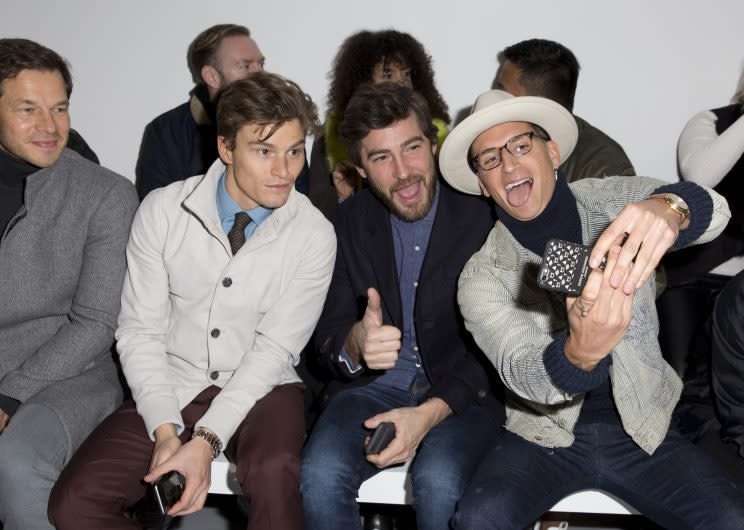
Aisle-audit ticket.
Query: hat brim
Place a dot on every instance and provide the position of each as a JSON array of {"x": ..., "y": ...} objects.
[{"x": 453, "y": 156}]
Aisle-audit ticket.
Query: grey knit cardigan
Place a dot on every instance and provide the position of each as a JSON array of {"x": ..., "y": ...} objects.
[{"x": 62, "y": 265}]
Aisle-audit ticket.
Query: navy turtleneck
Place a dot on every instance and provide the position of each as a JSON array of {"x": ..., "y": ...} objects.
[{"x": 560, "y": 219}]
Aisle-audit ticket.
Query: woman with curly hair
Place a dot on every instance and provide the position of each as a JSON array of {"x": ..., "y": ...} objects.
[{"x": 364, "y": 57}]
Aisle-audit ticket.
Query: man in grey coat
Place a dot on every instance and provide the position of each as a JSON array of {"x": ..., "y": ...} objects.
[{"x": 64, "y": 225}]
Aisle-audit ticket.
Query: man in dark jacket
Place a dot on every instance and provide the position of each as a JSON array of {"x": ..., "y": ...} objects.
[
  {"x": 183, "y": 141},
  {"x": 64, "y": 224},
  {"x": 390, "y": 333}
]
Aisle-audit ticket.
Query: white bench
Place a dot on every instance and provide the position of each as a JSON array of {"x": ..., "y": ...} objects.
[{"x": 393, "y": 486}]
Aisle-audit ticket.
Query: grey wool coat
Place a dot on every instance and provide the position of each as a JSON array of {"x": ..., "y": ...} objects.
[{"x": 62, "y": 264}]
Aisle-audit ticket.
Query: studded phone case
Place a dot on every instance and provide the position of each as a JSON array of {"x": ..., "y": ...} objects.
[{"x": 565, "y": 267}]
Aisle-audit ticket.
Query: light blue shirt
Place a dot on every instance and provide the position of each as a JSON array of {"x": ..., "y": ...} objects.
[{"x": 227, "y": 208}]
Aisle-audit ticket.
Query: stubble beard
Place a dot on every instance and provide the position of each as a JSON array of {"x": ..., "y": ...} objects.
[{"x": 413, "y": 213}]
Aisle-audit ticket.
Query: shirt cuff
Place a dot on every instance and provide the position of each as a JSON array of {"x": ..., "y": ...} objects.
[
  {"x": 700, "y": 204},
  {"x": 568, "y": 377},
  {"x": 347, "y": 365}
]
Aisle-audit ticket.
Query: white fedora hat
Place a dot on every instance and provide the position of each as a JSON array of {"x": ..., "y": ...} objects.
[{"x": 493, "y": 108}]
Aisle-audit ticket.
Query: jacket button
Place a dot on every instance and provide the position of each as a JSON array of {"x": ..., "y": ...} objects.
[
  {"x": 214, "y": 375},
  {"x": 481, "y": 394},
  {"x": 215, "y": 333},
  {"x": 226, "y": 282}
]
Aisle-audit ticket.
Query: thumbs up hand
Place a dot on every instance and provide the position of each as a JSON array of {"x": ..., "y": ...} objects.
[
  {"x": 373, "y": 314},
  {"x": 377, "y": 344}
]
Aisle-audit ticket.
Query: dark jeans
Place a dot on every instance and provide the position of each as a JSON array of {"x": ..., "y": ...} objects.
[
  {"x": 677, "y": 487},
  {"x": 334, "y": 466},
  {"x": 104, "y": 476}
]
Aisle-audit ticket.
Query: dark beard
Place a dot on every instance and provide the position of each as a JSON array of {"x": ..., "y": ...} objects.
[{"x": 406, "y": 214}]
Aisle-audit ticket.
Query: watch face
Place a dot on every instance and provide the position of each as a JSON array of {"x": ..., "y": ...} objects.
[{"x": 676, "y": 204}]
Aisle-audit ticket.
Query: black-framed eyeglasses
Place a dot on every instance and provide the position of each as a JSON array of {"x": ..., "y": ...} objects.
[{"x": 491, "y": 158}]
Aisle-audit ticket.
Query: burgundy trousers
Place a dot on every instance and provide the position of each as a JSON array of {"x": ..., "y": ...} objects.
[{"x": 104, "y": 476}]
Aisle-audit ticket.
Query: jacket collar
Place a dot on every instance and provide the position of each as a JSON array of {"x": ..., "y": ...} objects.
[
  {"x": 381, "y": 253},
  {"x": 202, "y": 203},
  {"x": 202, "y": 110},
  {"x": 509, "y": 253},
  {"x": 50, "y": 177},
  {"x": 449, "y": 223}
]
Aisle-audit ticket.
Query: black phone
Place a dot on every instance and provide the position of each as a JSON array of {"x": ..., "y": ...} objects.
[
  {"x": 565, "y": 267},
  {"x": 381, "y": 438},
  {"x": 168, "y": 490},
  {"x": 151, "y": 512}
]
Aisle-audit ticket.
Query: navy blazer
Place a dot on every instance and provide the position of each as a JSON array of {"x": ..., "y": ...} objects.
[{"x": 458, "y": 371}]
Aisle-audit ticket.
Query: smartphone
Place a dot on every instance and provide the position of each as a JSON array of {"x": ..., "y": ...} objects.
[
  {"x": 565, "y": 267},
  {"x": 381, "y": 438},
  {"x": 168, "y": 490},
  {"x": 151, "y": 512}
]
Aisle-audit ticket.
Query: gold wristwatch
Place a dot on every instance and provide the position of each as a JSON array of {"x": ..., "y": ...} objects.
[
  {"x": 675, "y": 203},
  {"x": 211, "y": 438}
]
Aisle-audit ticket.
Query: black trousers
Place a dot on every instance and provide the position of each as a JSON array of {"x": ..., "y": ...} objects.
[{"x": 727, "y": 361}]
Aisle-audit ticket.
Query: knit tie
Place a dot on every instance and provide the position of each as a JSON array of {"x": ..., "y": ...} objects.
[{"x": 236, "y": 235}]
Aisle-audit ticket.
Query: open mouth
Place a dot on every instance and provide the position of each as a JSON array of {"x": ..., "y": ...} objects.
[
  {"x": 518, "y": 192},
  {"x": 410, "y": 192}
]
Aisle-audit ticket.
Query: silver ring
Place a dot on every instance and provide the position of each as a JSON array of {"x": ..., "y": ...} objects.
[{"x": 584, "y": 306}]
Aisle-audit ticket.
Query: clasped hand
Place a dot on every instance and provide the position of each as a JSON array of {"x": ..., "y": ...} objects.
[
  {"x": 192, "y": 459},
  {"x": 411, "y": 425}
]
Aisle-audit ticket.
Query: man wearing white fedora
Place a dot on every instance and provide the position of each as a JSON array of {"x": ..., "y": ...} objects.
[{"x": 589, "y": 396}]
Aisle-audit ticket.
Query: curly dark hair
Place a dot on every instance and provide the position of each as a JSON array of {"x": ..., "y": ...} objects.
[{"x": 361, "y": 52}]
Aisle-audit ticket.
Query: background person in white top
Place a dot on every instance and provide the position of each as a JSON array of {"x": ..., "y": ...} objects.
[{"x": 711, "y": 152}]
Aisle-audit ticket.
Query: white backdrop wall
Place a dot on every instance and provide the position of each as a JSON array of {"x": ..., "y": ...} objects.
[{"x": 647, "y": 66}]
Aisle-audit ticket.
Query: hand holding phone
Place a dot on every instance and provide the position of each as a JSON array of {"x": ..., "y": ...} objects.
[
  {"x": 168, "y": 490},
  {"x": 565, "y": 267},
  {"x": 151, "y": 512},
  {"x": 381, "y": 438}
]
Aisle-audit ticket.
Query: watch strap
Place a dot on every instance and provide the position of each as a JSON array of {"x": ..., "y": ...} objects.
[
  {"x": 675, "y": 203},
  {"x": 212, "y": 439}
]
